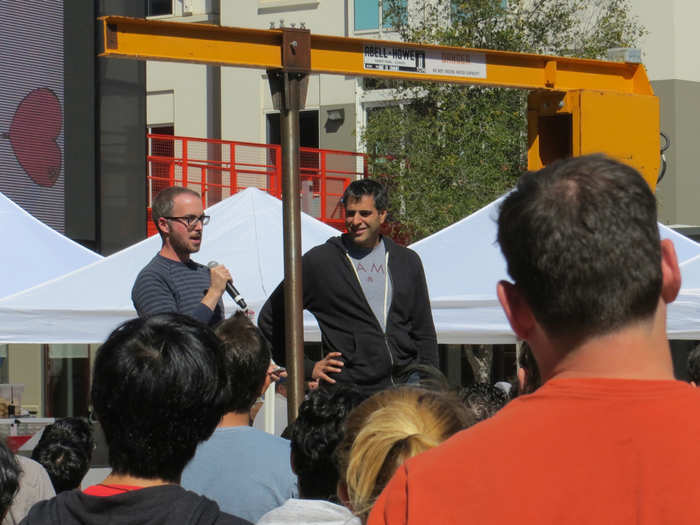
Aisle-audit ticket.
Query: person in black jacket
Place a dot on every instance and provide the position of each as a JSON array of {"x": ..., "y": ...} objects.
[
  {"x": 375, "y": 324},
  {"x": 158, "y": 390}
]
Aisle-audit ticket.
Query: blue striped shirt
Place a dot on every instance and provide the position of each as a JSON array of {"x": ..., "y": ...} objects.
[{"x": 165, "y": 286}]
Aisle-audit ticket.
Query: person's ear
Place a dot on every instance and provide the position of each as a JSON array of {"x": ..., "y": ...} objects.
[
  {"x": 518, "y": 312},
  {"x": 163, "y": 225},
  {"x": 382, "y": 216},
  {"x": 521, "y": 379},
  {"x": 670, "y": 271}
]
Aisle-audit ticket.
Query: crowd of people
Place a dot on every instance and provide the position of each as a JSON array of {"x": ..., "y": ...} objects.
[{"x": 595, "y": 429}]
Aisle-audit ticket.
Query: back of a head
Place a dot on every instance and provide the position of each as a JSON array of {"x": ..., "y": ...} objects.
[
  {"x": 582, "y": 244},
  {"x": 483, "y": 400},
  {"x": 9, "y": 478},
  {"x": 158, "y": 390},
  {"x": 246, "y": 358},
  {"x": 359, "y": 188},
  {"x": 386, "y": 430},
  {"x": 315, "y": 434},
  {"x": 65, "y": 451}
]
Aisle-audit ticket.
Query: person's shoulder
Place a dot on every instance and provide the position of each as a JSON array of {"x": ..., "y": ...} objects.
[
  {"x": 154, "y": 268},
  {"x": 324, "y": 253},
  {"x": 398, "y": 250},
  {"x": 256, "y": 438},
  {"x": 332, "y": 245},
  {"x": 204, "y": 511},
  {"x": 51, "y": 510}
]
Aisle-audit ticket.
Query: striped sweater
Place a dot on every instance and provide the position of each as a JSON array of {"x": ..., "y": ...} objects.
[{"x": 165, "y": 285}]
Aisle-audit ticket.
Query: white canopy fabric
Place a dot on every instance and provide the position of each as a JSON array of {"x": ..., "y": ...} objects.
[
  {"x": 463, "y": 263},
  {"x": 35, "y": 252},
  {"x": 684, "y": 312},
  {"x": 245, "y": 234}
]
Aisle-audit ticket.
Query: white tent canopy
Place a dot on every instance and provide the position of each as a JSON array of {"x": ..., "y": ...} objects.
[
  {"x": 684, "y": 312},
  {"x": 463, "y": 263},
  {"x": 36, "y": 252},
  {"x": 245, "y": 234}
]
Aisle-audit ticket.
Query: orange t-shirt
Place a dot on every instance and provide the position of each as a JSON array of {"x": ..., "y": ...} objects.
[{"x": 582, "y": 451}]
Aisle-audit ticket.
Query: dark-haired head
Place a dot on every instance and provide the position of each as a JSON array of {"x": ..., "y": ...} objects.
[
  {"x": 65, "y": 451},
  {"x": 246, "y": 357},
  {"x": 483, "y": 400},
  {"x": 158, "y": 390},
  {"x": 9, "y": 478},
  {"x": 359, "y": 188},
  {"x": 65, "y": 463},
  {"x": 165, "y": 200},
  {"x": 314, "y": 436},
  {"x": 582, "y": 245}
]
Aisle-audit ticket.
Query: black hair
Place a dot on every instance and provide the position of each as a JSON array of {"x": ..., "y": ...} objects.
[
  {"x": 582, "y": 244},
  {"x": 246, "y": 357},
  {"x": 694, "y": 365},
  {"x": 65, "y": 451},
  {"x": 314, "y": 436},
  {"x": 163, "y": 203},
  {"x": 158, "y": 390},
  {"x": 10, "y": 471},
  {"x": 359, "y": 188},
  {"x": 483, "y": 400},
  {"x": 526, "y": 361}
]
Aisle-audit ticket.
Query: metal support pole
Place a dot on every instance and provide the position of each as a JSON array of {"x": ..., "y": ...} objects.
[{"x": 289, "y": 94}]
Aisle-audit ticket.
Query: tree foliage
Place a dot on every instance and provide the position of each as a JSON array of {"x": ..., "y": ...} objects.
[{"x": 447, "y": 150}]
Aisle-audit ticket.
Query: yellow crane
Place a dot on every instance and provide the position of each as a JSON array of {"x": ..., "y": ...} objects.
[{"x": 575, "y": 106}]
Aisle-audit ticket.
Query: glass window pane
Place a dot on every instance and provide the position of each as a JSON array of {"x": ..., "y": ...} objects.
[
  {"x": 67, "y": 380},
  {"x": 366, "y": 14},
  {"x": 160, "y": 7}
]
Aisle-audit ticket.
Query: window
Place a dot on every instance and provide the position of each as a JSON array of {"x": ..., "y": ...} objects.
[
  {"x": 67, "y": 373},
  {"x": 159, "y": 7},
  {"x": 369, "y": 13}
]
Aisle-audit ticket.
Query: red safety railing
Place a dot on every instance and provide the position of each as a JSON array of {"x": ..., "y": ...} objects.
[{"x": 217, "y": 169}]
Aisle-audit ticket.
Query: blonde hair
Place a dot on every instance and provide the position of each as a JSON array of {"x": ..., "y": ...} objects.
[{"x": 387, "y": 429}]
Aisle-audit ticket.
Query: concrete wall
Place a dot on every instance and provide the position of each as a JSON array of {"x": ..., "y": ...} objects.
[
  {"x": 669, "y": 53},
  {"x": 26, "y": 364},
  {"x": 679, "y": 190}
]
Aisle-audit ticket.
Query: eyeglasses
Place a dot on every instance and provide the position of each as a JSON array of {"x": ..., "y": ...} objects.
[{"x": 190, "y": 221}]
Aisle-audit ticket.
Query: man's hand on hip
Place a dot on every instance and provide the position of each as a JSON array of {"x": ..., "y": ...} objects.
[{"x": 327, "y": 365}]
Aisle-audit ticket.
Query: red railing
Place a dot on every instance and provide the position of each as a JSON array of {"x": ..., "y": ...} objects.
[{"x": 217, "y": 169}]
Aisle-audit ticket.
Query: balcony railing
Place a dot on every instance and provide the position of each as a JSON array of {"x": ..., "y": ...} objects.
[{"x": 217, "y": 169}]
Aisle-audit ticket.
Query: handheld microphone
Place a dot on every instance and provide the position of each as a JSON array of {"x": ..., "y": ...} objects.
[{"x": 230, "y": 289}]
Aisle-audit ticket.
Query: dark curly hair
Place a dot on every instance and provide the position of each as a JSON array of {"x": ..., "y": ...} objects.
[
  {"x": 359, "y": 188},
  {"x": 65, "y": 451},
  {"x": 9, "y": 478},
  {"x": 158, "y": 391},
  {"x": 483, "y": 400},
  {"x": 694, "y": 365},
  {"x": 315, "y": 434}
]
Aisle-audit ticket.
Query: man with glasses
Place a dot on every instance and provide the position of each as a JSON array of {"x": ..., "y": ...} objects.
[{"x": 172, "y": 282}]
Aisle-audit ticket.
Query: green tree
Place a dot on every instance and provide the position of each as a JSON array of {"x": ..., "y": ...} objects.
[{"x": 448, "y": 150}]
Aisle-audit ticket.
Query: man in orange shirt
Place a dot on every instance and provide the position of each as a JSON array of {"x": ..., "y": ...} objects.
[{"x": 611, "y": 436}]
